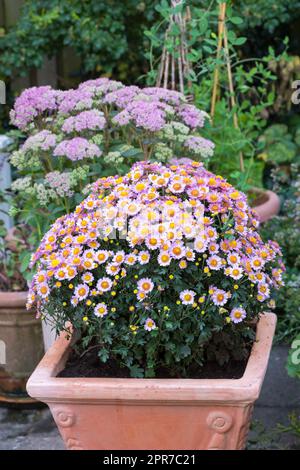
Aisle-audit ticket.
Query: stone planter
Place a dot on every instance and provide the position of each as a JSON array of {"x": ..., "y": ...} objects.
[
  {"x": 267, "y": 205},
  {"x": 21, "y": 345},
  {"x": 96, "y": 413}
]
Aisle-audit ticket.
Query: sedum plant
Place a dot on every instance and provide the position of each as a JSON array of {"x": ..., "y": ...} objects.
[
  {"x": 161, "y": 269},
  {"x": 99, "y": 128}
]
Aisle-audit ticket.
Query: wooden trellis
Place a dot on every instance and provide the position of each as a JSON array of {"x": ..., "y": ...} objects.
[
  {"x": 175, "y": 68},
  {"x": 223, "y": 41}
]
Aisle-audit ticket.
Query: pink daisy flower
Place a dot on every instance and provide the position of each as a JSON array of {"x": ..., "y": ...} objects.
[
  {"x": 61, "y": 274},
  {"x": 187, "y": 297},
  {"x": 213, "y": 248},
  {"x": 112, "y": 269},
  {"x": 87, "y": 277},
  {"x": 104, "y": 284},
  {"x": 256, "y": 263},
  {"x": 236, "y": 272},
  {"x": 237, "y": 315},
  {"x": 200, "y": 245},
  {"x": 100, "y": 310},
  {"x": 101, "y": 256},
  {"x": 81, "y": 291},
  {"x": 144, "y": 257},
  {"x": 152, "y": 242},
  {"x": 177, "y": 250},
  {"x": 43, "y": 290},
  {"x": 149, "y": 324},
  {"x": 214, "y": 262},
  {"x": 74, "y": 301},
  {"x": 211, "y": 233},
  {"x": 164, "y": 259},
  {"x": 130, "y": 259},
  {"x": 176, "y": 186},
  {"x": 145, "y": 285},
  {"x": 220, "y": 297},
  {"x": 119, "y": 257},
  {"x": 233, "y": 258}
]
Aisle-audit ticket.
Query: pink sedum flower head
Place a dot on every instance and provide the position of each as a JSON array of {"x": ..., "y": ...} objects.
[{"x": 76, "y": 149}]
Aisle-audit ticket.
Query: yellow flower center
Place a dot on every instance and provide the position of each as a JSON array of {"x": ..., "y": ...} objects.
[{"x": 146, "y": 286}]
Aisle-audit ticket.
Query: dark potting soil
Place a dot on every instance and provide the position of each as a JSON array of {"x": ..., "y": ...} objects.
[{"x": 90, "y": 366}]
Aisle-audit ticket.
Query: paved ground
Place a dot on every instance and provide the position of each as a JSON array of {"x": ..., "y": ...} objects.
[{"x": 28, "y": 429}]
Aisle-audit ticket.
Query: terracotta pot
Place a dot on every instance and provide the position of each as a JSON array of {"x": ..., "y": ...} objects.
[
  {"x": 107, "y": 413},
  {"x": 21, "y": 346},
  {"x": 267, "y": 205}
]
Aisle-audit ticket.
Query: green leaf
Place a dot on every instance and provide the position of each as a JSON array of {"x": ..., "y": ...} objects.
[
  {"x": 25, "y": 260},
  {"x": 293, "y": 364},
  {"x": 203, "y": 25},
  {"x": 184, "y": 351},
  {"x": 236, "y": 20},
  {"x": 239, "y": 41},
  {"x": 103, "y": 355}
]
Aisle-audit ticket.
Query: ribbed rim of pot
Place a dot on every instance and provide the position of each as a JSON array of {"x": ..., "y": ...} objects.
[
  {"x": 13, "y": 299},
  {"x": 45, "y": 386}
]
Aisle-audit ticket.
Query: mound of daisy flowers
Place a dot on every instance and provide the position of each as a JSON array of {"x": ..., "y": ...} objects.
[{"x": 163, "y": 268}]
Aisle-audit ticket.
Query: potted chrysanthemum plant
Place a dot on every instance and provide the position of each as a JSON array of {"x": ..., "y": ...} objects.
[{"x": 158, "y": 283}]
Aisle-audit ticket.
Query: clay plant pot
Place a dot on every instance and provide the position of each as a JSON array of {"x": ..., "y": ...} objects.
[
  {"x": 21, "y": 347},
  {"x": 107, "y": 413},
  {"x": 266, "y": 205}
]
